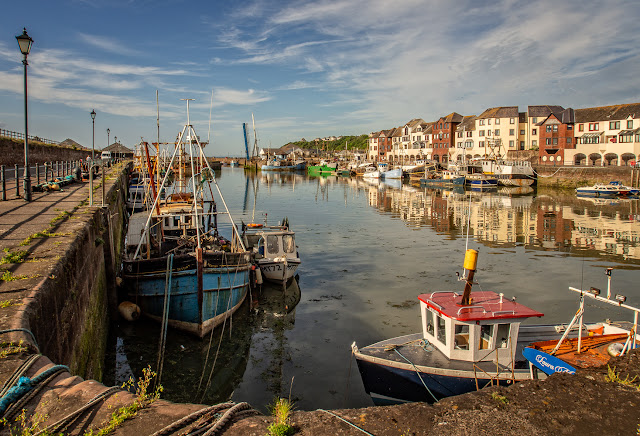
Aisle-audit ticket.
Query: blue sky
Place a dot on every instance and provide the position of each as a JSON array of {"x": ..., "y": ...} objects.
[{"x": 305, "y": 69}]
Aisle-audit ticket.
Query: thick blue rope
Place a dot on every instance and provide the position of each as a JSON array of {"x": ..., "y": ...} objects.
[{"x": 25, "y": 385}]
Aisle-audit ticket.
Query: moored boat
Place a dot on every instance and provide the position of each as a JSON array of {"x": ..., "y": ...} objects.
[
  {"x": 176, "y": 265},
  {"x": 612, "y": 189},
  {"x": 442, "y": 178}
]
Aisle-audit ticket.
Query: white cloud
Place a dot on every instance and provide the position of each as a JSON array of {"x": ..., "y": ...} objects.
[{"x": 107, "y": 44}]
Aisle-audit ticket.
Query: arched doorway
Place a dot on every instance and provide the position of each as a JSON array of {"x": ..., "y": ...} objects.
[
  {"x": 611, "y": 159},
  {"x": 580, "y": 159},
  {"x": 627, "y": 157},
  {"x": 595, "y": 159}
]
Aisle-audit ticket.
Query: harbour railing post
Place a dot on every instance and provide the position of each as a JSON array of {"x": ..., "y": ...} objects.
[
  {"x": 57, "y": 169},
  {"x": 91, "y": 185},
  {"x": 4, "y": 183},
  {"x": 15, "y": 174},
  {"x": 37, "y": 173},
  {"x": 45, "y": 172},
  {"x": 102, "y": 185}
]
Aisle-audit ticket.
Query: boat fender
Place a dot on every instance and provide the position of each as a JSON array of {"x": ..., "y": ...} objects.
[
  {"x": 254, "y": 225},
  {"x": 615, "y": 349},
  {"x": 129, "y": 311},
  {"x": 258, "y": 276}
]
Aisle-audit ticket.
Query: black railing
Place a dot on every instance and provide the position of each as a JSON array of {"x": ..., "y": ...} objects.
[
  {"x": 11, "y": 177},
  {"x": 19, "y": 135}
]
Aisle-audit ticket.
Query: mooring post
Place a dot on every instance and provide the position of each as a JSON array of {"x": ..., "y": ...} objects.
[
  {"x": 15, "y": 173},
  {"x": 4, "y": 183}
]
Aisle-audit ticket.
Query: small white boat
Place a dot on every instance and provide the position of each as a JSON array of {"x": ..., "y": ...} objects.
[
  {"x": 273, "y": 250},
  {"x": 613, "y": 189},
  {"x": 371, "y": 173}
]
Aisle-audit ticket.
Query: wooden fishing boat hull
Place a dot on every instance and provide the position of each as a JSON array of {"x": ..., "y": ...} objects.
[{"x": 225, "y": 282}]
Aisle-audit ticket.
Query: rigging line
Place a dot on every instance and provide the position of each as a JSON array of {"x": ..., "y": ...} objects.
[
  {"x": 418, "y": 373},
  {"x": 206, "y": 360}
]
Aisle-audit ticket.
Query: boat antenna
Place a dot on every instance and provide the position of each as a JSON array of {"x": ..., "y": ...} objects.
[{"x": 210, "y": 108}]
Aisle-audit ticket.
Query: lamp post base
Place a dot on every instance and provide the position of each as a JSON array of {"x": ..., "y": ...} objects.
[{"x": 26, "y": 187}]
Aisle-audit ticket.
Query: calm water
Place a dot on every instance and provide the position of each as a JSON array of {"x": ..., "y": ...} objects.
[{"x": 367, "y": 251}]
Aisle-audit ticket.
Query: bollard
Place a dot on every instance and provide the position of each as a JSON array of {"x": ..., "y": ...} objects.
[
  {"x": 4, "y": 183},
  {"x": 15, "y": 173}
]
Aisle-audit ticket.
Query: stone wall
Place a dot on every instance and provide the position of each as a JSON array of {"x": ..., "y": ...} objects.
[
  {"x": 69, "y": 310},
  {"x": 12, "y": 152},
  {"x": 574, "y": 176}
]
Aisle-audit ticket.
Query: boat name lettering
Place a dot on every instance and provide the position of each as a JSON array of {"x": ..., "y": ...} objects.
[{"x": 542, "y": 360}]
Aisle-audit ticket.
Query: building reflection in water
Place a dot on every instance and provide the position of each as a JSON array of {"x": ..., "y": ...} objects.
[{"x": 513, "y": 216}]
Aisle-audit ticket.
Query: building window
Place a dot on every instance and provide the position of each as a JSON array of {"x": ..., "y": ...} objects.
[
  {"x": 489, "y": 121},
  {"x": 534, "y": 131},
  {"x": 552, "y": 128},
  {"x": 497, "y": 121},
  {"x": 512, "y": 132},
  {"x": 459, "y": 134},
  {"x": 593, "y": 126},
  {"x": 482, "y": 122},
  {"x": 512, "y": 143},
  {"x": 569, "y": 140},
  {"x": 497, "y": 132},
  {"x": 534, "y": 120},
  {"x": 569, "y": 126},
  {"x": 469, "y": 134},
  {"x": 481, "y": 133},
  {"x": 512, "y": 120},
  {"x": 522, "y": 131},
  {"x": 614, "y": 125},
  {"x": 488, "y": 132},
  {"x": 581, "y": 127},
  {"x": 446, "y": 125},
  {"x": 629, "y": 124},
  {"x": 521, "y": 145},
  {"x": 626, "y": 138},
  {"x": 482, "y": 143},
  {"x": 534, "y": 143}
]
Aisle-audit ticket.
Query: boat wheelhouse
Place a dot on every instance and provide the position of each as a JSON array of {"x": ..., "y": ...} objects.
[{"x": 273, "y": 250}]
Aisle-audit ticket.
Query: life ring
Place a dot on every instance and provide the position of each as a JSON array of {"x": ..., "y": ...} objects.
[
  {"x": 254, "y": 225},
  {"x": 615, "y": 349}
]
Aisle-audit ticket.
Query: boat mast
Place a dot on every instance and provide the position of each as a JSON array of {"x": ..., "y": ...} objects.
[{"x": 255, "y": 137}]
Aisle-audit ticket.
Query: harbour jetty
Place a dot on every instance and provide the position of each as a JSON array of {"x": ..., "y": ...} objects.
[{"x": 60, "y": 258}]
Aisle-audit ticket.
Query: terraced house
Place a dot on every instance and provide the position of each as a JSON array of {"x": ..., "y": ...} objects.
[{"x": 608, "y": 135}]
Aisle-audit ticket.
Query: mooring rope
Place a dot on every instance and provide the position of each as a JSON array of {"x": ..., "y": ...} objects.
[
  {"x": 417, "y": 372},
  {"x": 61, "y": 425},
  {"x": 33, "y": 338},
  {"x": 19, "y": 372},
  {"x": 350, "y": 423},
  {"x": 207, "y": 413},
  {"x": 18, "y": 393}
]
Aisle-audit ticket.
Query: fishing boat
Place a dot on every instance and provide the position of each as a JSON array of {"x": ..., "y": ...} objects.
[
  {"x": 481, "y": 181},
  {"x": 322, "y": 168},
  {"x": 509, "y": 172},
  {"x": 395, "y": 173},
  {"x": 233, "y": 163},
  {"x": 283, "y": 165},
  {"x": 467, "y": 342},
  {"x": 177, "y": 267},
  {"x": 442, "y": 178},
  {"x": 592, "y": 347},
  {"x": 371, "y": 173},
  {"x": 273, "y": 250}
]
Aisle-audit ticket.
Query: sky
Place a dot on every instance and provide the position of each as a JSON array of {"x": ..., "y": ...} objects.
[{"x": 304, "y": 69}]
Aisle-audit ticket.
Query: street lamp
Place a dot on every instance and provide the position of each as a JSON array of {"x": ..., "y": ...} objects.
[
  {"x": 108, "y": 131},
  {"x": 93, "y": 137},
  {"x": 25, "y": 42}
]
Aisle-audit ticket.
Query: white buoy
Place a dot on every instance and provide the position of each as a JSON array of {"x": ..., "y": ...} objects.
[
  {"x": 258, "y": 276},
  {"x": 129, "y": 311}
]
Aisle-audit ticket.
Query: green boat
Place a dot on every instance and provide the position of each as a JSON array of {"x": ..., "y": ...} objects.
[{"x": 321, "y": 169}]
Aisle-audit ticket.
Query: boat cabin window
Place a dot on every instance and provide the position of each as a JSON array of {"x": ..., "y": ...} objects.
[
  {"x": 176, "y": 221},
  {"x": 502, "y": 335},
  {"x": 442, "y": 334},
  {"x": 288, "y": 244},
  {"x": 430, "y": 322},
  {"x": 272, "y": 244},
  {"x": 461, "y": 337},
  {"x": 485, "y": 337}
]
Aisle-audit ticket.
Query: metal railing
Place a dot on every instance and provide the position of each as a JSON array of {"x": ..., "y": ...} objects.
[
  {"x": 20, "y": 135},
  {"x": 11, "y": 178}
]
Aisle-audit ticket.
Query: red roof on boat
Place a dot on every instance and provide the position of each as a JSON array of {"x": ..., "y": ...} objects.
[{"x": 485, "y": 305}]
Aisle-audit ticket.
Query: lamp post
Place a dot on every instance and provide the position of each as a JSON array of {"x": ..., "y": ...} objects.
[
  {"x": 108, "y": 131},
  {"x": 93, "y": 135},
  {"x": 25, "y": 42}
]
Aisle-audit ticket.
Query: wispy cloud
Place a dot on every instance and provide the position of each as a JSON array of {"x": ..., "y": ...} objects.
[{"x": 107, "y": 44}]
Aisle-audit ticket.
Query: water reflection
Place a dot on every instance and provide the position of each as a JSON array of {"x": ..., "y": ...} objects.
[{"x": 509, "y": 216}]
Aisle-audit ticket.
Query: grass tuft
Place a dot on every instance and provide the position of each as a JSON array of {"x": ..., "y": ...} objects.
[{"x": 281, "y": 409}]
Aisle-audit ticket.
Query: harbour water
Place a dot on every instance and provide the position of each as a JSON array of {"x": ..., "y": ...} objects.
[{"x": 368, "y": 249}]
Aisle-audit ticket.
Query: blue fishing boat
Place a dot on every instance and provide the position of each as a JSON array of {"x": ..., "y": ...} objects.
[
  {"x": 284, "y": 165},
  {"x": 177, "y": 267}
]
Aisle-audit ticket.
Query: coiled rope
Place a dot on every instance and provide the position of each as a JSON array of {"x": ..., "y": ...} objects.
[
  {"x": 205, "y": 427},
  {"x": 26, "y": 389}
]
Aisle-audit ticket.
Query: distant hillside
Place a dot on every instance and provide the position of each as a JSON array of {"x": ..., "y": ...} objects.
[{"x": 352, "y": 142}]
